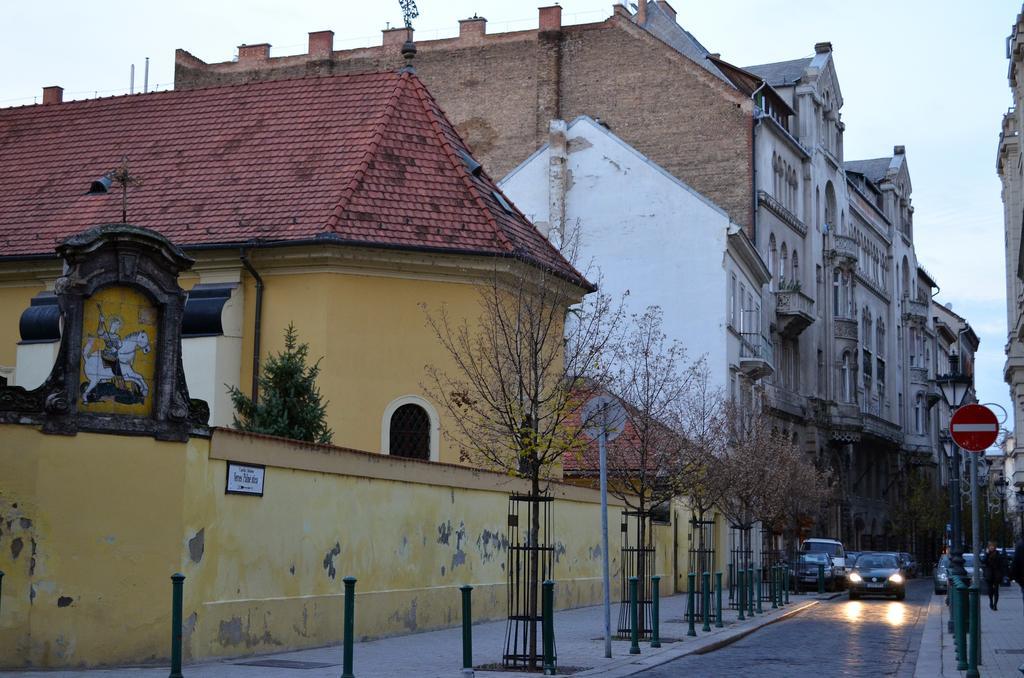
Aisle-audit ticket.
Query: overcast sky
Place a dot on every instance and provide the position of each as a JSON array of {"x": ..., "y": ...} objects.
[{"x": 929, "y": 75}]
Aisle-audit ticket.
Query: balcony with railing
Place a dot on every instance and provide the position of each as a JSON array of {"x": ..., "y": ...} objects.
[
  {"x": 794, "y": 311},
  {"x": 919, "y": 375},
  {"x": 756, "y": 358},
  {"x": 844, "y": 248},
  {"x": 914, "y": 310}
]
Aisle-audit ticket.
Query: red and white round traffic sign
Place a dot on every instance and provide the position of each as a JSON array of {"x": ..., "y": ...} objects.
[{"x": 974, "y": 427}]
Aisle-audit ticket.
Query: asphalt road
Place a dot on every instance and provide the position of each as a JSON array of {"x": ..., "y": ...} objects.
[{"x": 868, "y": 637}]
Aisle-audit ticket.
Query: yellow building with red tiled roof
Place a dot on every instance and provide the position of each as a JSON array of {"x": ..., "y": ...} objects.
[{"x": 341, "y": 204}]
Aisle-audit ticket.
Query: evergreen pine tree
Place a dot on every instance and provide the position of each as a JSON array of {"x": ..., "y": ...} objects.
[{"x": 289, "y": 403}]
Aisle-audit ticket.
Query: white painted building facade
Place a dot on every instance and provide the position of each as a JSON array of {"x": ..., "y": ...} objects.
[{"x": 641, "y": 230}]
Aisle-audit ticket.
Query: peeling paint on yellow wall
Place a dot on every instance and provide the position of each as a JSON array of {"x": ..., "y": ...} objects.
[{"x": 112, "y": 517}]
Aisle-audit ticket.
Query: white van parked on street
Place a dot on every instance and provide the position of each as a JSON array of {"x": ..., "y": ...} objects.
[{"x": 833, "y": 548}]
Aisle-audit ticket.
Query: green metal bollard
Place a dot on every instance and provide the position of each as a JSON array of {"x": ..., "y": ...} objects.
[
  {"x": 634, "y": 619},
  {"x": 741, "y": 593},
  {"x": 954, "y": 616},
  {"x": 750, "y": 591},
  {"x": 349, "y": 626},
  {"x": 718, "y": 600},
  {"x": 467, "y": 629},
  {"x": 758, "y": 574},
  {"x": 778, "y": 586},
  {"x": 691, "y": 613},
  {"x": 656, "y": 611},
  {"x": 732, "y": 584},
  {"x": 961, "y": 625},
  {"x": 974, "y": 624},
  {"x": 177, "y": 584},
  {"x": 785, "y": 580},
  {"x": 821, "y": 578},
  {"x": 548, "y": 625},
  {"x": 1, "y": 586},
  {"x": 706, "y": 601}
]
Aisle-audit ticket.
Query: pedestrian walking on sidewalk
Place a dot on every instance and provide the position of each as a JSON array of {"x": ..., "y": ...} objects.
[
  {"x": 1017, "y": 567},
  {"x": 994, "y": 566}
]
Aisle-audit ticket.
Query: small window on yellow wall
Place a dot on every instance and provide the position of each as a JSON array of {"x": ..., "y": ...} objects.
[{"x": 410, "y": 432}]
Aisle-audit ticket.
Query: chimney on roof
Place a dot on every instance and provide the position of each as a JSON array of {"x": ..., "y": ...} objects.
[
  {"x": 321, "y": 44},
  {"x": 394, "y": 37},
  {"x": 253, "y": 53},
  {"x": 550, "y": 18},
  {"x": 899, "y": 150},
  {"x": 666, "y": 8},
  {"x": 53, "y": 94},
  {"x": 715, "y": 55},
  {"x": 822, "y": 47},
  {"x": 641, "y": 12},
  {"x": 473, "y": 28}
]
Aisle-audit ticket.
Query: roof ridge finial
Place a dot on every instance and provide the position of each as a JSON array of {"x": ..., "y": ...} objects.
[{"x": 409, "y": 12}]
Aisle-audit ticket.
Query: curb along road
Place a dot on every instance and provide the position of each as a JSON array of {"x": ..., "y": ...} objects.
[{"x": 716, "y": 642}]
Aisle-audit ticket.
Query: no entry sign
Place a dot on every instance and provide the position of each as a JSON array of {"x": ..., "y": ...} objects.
[{"x": 974, "y": 427}]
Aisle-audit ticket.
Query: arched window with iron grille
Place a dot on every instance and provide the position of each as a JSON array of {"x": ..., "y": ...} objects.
[{"x": 410, "y": 432}]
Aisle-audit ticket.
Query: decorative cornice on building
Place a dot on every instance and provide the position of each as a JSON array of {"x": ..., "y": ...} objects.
[{"x": 780, "y": 210}]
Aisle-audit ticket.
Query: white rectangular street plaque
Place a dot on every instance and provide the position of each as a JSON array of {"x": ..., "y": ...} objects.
[{"x": 245, "y": 479}]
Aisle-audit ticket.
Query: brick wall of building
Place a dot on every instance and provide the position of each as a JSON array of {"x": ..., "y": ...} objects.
[{"x": 501, "y": 91}]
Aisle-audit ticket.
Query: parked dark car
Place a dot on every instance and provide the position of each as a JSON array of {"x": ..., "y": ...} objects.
[
  {"x": 877, "y": 574},
  {"x": 805, "y": 577}
]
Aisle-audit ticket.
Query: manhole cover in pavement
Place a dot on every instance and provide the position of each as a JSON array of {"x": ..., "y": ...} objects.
[
  {"x": 286, "y": 664},
  {"x": 1009, "y": 651}
]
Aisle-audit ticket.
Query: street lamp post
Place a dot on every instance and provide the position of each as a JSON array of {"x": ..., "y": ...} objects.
[
  {"x": 1020, "y": 510},
  {"x": 955, "y": 387}
]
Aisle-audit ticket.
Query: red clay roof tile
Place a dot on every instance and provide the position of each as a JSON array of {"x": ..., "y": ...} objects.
[{"x": 367, "y": 159}]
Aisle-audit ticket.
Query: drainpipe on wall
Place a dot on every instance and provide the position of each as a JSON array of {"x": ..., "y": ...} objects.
[
  {"x": 244, "y": 257},
  {"x": 753, "y": 161},
  {"x": 558, "y": 158}
]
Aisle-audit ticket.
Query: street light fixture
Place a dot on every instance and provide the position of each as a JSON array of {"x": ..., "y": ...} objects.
[{"x": 955, "y": 387}]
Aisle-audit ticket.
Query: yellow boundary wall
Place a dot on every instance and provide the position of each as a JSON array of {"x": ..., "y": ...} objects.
[{"x": 101, "y": 523}]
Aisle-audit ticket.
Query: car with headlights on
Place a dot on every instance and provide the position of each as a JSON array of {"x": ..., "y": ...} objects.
[{"x": 877, "y": 574}]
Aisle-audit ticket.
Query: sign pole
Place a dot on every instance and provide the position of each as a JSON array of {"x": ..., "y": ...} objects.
[
  {"x": 606, "y": 581},
  {"x": 604, "y": 419}
]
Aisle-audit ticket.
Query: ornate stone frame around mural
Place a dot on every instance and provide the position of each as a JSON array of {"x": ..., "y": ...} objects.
[{"x": 115, "y": 254}]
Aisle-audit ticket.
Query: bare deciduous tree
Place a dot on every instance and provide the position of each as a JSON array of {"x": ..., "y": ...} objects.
[
  {"x": 651, "y": 377},
  {"x": 519, "y": 373},
  {"x": 703, "y": 425}
]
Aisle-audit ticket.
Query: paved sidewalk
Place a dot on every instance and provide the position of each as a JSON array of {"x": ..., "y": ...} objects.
[
  {"x": 1002, "y": 638},
  {"x": 438, "y": 654}
]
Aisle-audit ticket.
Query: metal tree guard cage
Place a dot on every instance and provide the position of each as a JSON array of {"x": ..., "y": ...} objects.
[
  {"x": 639, "y": 563},
  {"x": 523, "y": 630},
  {"x": 741, "y": 557},
  {"x": 702, "y": 559},
  {"x": 771, "y": 555}
]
